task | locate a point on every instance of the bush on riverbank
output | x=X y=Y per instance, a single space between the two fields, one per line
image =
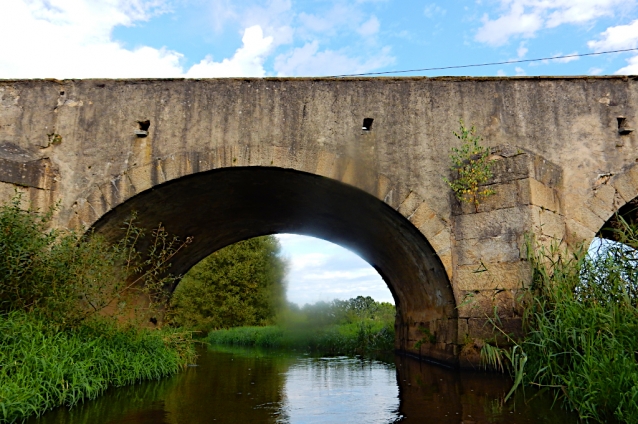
x=69 y=277
x=56 y=348
x=43 y=367
x=355 y=326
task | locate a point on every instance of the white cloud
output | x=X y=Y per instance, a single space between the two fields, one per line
x=342 y=275
x=247 y=61
x=72 y=39
x=501 y=73
x=369 y=27
x=321 y=270
x=617 y=38
x=308 y=260
x=631 y=69
x=595 y=71
x=524 y=18
x=515 y=22
x=520 y=71
x=67 y=39
x=522 y=50
x=308 y=60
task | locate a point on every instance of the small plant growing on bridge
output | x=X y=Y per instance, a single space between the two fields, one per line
x=471 y=166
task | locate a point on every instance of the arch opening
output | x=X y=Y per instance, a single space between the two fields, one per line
x=221 y=207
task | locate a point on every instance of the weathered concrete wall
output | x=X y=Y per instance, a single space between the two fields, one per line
x=563 y=167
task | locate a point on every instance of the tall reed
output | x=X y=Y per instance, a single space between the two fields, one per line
x=582 y=324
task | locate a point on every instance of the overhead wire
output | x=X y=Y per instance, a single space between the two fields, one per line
x=508 y=62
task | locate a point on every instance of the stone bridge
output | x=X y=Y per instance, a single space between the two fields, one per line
x=359 y=162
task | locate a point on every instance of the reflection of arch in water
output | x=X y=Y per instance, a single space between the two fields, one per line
x=228 y=205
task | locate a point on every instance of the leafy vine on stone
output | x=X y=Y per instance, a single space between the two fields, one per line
x=471 y=167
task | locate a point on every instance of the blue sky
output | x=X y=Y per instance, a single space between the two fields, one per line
x=224 y=38
x=209 y=38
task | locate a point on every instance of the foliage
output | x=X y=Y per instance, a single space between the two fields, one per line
x=582 y=326
x=44 y=367
x=69 y=277
x=471 y=167
x=241 y=284
x=359 y=325
x=581 y=321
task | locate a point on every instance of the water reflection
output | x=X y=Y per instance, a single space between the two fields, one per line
x=239 y=385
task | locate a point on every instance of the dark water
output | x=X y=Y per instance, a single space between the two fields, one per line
x=253 y=386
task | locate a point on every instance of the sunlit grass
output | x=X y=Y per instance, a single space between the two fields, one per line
x=337 y=339
x=42 y=368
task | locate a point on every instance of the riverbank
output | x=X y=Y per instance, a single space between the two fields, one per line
x=43 y=367
x=361 y=338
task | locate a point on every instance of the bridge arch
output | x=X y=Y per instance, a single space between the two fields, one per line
x=611 y=195
x=223 y=206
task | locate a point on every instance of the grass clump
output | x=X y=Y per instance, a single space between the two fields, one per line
x=355 y=326
x=43 y=367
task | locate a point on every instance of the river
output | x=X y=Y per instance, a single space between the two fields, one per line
x=234 y=385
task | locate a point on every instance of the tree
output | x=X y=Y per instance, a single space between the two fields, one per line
x=239 y=285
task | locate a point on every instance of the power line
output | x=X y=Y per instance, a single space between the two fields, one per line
x=509 y=62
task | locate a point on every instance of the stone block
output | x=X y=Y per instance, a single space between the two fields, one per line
x=446 y=259
x=489 y=303
x=605 y=193
x=441 y=242
x=587 y=218
x=384 y=185
x=543 y=196
x=576 y=233
x=488 y=250
x=492 y=276
x=280 y=157
x=410 y=204
x=626 y=184
x=484 y=329
x=548 y=223
x=171 y=166
x=140 y=177
x=326 y=164
x=495 y=223
x=427 y=221
x=546 y=172
x=513 y=168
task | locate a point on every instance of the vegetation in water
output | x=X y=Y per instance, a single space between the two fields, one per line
x=56 y=347
x=239 y=285
x=471 y=168
x=581 y=323
x=356 y=326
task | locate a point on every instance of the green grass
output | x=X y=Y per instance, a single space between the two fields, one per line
x=42 y=368
x=582 y=336
x=581 y=322
x=361 y=337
